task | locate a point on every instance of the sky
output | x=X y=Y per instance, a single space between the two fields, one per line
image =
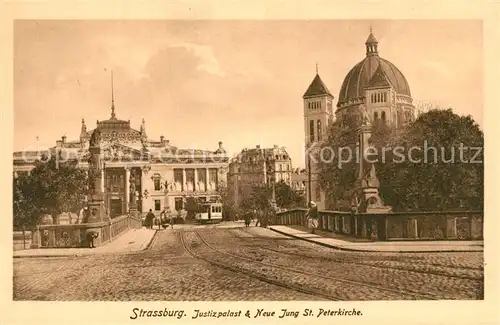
x=239 y=82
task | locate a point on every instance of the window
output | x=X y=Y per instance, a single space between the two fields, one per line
x=311 y=131
x=319 y=130
x=178 y=204
x=157 y=184
x=157 y=205
x=383 y=116
x=212 y=175
x=375 y=115
x=178 y=176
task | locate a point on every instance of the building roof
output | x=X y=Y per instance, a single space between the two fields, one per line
x=379 y=79
x=363 y=73
x=371 y=39
x=317 y=88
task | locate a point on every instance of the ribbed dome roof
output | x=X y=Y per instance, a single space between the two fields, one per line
x=360 y=76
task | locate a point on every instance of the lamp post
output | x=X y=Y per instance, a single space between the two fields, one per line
x=309 y=179
x=272 y=177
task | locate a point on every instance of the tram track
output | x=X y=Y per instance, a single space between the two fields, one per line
x=251 y=274
x=346 y=282
x=342 y=261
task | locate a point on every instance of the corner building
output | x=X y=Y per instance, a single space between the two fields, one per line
x=374 y=85
x=257 y=167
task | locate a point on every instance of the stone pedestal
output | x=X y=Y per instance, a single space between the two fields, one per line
x=133 y=211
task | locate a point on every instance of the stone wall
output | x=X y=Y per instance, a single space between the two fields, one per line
x=447 y=225
x=74 y=235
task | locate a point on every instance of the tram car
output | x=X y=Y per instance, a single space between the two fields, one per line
x=209 y=212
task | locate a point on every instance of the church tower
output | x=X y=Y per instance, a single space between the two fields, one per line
x=318 y=113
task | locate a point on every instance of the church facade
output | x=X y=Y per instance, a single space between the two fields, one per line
x=374 y=88
x=163 y=175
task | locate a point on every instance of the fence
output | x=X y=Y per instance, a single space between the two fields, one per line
x=447 y=225
x=75 y=235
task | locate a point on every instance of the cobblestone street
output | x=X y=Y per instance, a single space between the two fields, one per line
x=248 y=264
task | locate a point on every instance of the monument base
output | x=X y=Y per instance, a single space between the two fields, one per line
x=97 y=212
x=370 y=201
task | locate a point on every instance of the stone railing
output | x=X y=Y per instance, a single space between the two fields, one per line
x=21 y=240
x=75 y=235
x=447 y=225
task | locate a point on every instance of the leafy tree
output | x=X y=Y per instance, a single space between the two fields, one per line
x=439 y=177
x=228 y=207
x=52 y=187
x=336 y=159
x=286 y=197
x=258 y=199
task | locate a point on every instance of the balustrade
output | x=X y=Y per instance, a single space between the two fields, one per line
x=75 y=235
x=436 y=225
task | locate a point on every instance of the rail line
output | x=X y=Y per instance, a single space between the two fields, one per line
x=330 y=277
x=336 y=260
x=252 y=274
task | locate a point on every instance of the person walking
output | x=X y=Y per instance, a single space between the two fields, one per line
x=149 y=219
x=312 y=217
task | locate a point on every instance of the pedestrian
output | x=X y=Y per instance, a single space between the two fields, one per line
x=248 y=218
x=149 y=219
x=256 y=214
x=163 y=218
x=91 y=236
x=312 y=217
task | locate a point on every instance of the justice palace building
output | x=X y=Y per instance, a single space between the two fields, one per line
x=164 y=175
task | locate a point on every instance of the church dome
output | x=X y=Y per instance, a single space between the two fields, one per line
x=361 y=75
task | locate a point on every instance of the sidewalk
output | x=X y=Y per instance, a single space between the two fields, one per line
x=386 y=246
x=133 y=240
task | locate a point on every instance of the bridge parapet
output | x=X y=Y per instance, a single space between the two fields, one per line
x=432 y=225
x=75 y=235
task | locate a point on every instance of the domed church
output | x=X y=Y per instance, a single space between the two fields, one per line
x=380 y=86
x=373 y=86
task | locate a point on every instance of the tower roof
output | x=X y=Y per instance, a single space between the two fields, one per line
x=317 y=88
x=371 y=39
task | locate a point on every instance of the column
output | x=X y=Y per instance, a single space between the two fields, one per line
x=127 y=188
x=143 y=188
x=415 y=228
x=195 y=180
x=184 y=180
x=207 y=180
x=102 y=180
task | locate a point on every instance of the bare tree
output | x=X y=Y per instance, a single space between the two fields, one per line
x=423 y=106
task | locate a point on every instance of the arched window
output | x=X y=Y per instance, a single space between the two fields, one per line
x=375 y=115
x=311 y=130
x=383 y=116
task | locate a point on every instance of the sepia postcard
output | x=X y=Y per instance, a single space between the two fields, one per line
x=252 y=163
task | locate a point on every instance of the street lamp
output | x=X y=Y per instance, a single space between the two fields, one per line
x=309 y=180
